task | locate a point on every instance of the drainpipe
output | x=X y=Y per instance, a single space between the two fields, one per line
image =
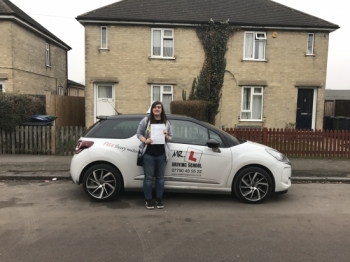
x=67 y=73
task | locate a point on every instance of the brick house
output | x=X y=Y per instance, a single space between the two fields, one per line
x=139 y=51
x=32 y=60
x=75 y=89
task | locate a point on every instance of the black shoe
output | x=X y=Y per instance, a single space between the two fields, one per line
x=149 y=204
x=159 y=203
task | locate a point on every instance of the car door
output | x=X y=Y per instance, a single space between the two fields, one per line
x=192 y=164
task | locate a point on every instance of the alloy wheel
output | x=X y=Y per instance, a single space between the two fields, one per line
x=254 y=186
x=101 y=183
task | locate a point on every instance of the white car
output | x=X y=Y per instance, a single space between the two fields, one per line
x=203 y=159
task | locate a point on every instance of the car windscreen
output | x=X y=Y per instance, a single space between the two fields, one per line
x=114 y=128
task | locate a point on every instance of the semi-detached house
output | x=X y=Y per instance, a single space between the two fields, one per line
x=138 y=51
x=32 y=59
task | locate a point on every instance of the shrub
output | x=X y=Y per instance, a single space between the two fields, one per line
x=193 y=108
x=18 y=108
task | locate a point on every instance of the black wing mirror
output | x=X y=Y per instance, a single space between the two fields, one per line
x=214 y=144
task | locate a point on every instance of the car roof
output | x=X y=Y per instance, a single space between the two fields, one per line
x=136 y=116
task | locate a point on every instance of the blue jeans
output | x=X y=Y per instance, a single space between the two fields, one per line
x=153 y=166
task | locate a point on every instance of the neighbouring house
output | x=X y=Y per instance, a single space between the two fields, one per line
x=75 y=89
x=139 y=51
x=32 y=60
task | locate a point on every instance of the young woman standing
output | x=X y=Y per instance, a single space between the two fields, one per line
x=155 y=156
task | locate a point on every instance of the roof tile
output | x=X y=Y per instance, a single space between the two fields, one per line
x=239 y=12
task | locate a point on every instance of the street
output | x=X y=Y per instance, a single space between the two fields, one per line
x=56 y=221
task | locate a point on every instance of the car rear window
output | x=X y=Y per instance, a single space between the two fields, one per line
x=115 y=129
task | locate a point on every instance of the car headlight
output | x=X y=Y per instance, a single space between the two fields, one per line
x=279 y=156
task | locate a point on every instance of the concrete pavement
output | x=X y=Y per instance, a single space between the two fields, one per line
x=50 y=166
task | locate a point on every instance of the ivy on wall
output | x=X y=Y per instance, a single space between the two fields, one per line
x=213 y=37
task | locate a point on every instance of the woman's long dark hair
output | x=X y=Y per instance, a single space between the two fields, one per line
x=163 y=117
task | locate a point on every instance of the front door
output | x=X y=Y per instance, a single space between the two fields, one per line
x=105 y=105
x=2 y=87
x=304 y=108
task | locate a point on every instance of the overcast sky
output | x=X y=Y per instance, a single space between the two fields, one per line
x=58 y=16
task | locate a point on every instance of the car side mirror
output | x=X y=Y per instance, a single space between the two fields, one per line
x=214 y=144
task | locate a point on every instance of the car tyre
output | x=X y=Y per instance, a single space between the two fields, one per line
x=102 y=182
x=252 y=185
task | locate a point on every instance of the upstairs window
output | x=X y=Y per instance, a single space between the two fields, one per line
x=310 y=44
x=252 y=103
x=104 y=37
x=2 y=87
x=76 y=92
x=162 y=43
x=164 y=94
x=47 y=55
x=254 y=45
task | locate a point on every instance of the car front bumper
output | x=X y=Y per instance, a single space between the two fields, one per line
x=282 y=173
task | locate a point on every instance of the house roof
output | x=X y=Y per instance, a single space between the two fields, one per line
x=75 y=84
x=239 y=12
x=8 y=10
x=337 y=94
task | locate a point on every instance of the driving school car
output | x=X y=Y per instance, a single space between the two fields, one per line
x=202 y=158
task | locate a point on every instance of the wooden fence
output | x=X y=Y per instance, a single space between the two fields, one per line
x=337 y=108
x=40 y=140
x=342 y=108
x=47 y=140
x=70 y=110
x=300 y=143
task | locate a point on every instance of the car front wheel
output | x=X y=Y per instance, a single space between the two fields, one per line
x=252 y=185
x=102 y=182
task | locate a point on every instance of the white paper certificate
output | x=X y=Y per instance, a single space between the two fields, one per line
x=157 y=134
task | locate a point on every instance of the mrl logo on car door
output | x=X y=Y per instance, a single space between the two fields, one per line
x=198 y=165
x=191 y=164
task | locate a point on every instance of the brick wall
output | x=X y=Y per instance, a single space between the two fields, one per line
x=128 y=60
x=29 y=73
x=6 y=54
x=286 y=64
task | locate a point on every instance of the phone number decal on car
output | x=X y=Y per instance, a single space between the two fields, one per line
x=185 y=172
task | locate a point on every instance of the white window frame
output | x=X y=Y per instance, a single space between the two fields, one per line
x=76 y=92
x=47 y=55
x=162 y=43
x=2 y=83
x=104 y=46
x=257 y=36
x=250 y=110
x=310 y=49
x=162 y=92
x=60 y=91
x=260 y=35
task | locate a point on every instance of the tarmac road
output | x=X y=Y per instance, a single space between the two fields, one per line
x=56 y=221
x=24 y=167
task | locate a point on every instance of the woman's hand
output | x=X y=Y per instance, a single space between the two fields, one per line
x=148 y=141
x=166 y=135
